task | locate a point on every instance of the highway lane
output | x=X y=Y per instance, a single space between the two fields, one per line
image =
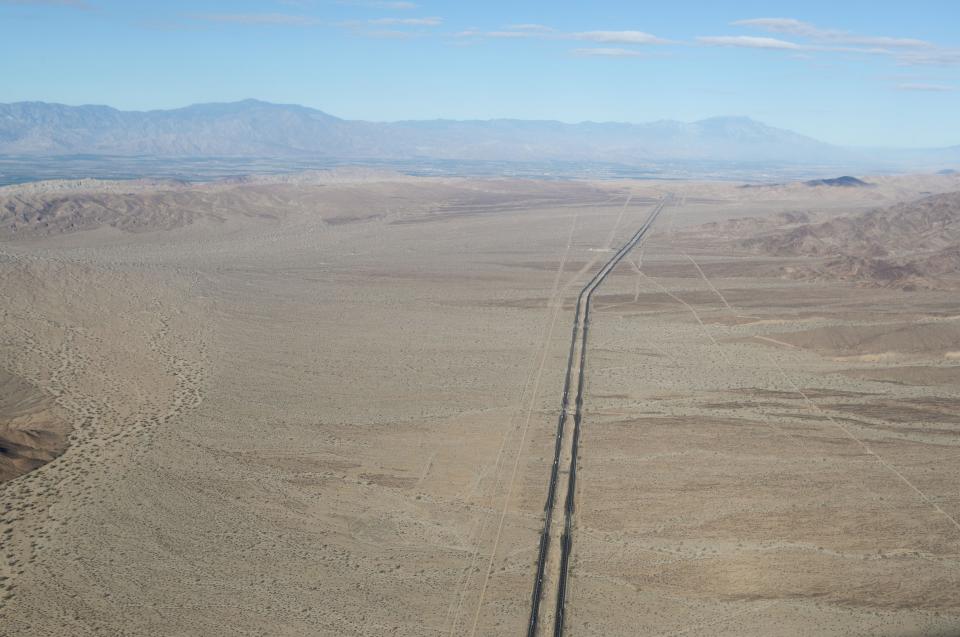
x=556 y=561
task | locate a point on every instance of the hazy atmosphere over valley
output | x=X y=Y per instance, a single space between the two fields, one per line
x=369 y=317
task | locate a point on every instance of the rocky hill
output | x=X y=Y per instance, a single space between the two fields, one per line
x=909 y=244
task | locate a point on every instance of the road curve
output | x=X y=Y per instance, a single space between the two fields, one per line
x=581 y=325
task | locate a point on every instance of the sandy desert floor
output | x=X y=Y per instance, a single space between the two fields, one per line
x=326 y=406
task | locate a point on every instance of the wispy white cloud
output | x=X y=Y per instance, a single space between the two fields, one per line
x=905 y=51
x=541 y=28
x=259 y=19
x=481 y=34
x=618 y=37
x=422 y=22
x=390 y=34
x=391 y=28
x=76 y=4
x=374 y=4
x=936 y=57
x=805 y=29
x=608 y=52
x=928 y=88
x=543 y=32
x=750 y=42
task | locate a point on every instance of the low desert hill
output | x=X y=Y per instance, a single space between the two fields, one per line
x=31 y=434
x=329 y=197
x=843 y=182
x=905 y=245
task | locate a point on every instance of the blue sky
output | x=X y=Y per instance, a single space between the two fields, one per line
x=849 y=72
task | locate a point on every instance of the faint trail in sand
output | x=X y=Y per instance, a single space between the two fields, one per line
x=723 y=355
x=863 y=445
x=696 y=314
x=557 y=300
x=533 y=380
x=557 y=295
x=723 y=619
x=773 y=340
x=636 y=281
x=709 y=283
x=616 y=225
x=596 y=258
x=846 y=431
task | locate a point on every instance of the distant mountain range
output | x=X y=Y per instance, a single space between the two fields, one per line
x=252 y=128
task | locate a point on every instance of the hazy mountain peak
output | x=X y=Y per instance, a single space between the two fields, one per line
x=742 y=120
x=255 y=128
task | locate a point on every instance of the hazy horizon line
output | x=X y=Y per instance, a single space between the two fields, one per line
x=729 y=116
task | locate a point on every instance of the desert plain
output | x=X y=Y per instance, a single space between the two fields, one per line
x=326 y=404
